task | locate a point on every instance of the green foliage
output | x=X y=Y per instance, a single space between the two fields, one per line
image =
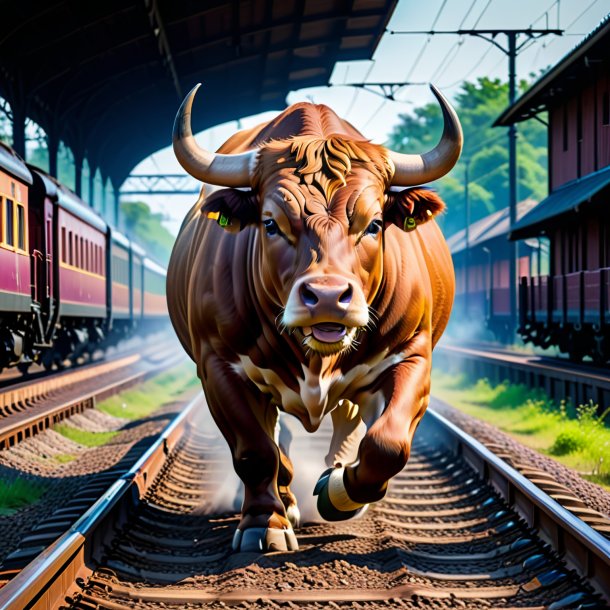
x=575 y=436
x=147 y=229
x=84 y=437
x=580 y=432
x=478 y=105
x=64 y=458
x=19 y=493
x=151 y=395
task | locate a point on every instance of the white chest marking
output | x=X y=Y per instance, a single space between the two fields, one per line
x=318 y=394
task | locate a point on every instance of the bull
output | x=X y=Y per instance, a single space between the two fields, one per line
x=310 y=284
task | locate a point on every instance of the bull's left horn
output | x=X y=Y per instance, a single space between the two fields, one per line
x=213 y=168
x=419 y=169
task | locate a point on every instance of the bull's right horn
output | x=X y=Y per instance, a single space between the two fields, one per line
x=419 y=169
x=213 y=168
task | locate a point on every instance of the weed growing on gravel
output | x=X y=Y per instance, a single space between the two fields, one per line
x=19 y=493
x=577 y=437
x=84 y=437
x=151 y=395
x=64 y=458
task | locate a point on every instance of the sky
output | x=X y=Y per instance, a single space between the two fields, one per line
x=444 y=60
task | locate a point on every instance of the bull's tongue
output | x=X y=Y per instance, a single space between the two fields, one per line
x=328 y=332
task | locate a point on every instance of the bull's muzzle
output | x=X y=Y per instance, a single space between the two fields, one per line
x=328 y=310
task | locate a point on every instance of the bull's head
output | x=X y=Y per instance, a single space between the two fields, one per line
x=322 y=205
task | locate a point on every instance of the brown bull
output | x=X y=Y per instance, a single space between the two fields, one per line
x=317 y=290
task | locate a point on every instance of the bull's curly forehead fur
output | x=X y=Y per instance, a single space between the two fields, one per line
x=324 y=162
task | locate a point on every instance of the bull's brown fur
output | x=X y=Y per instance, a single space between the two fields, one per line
x=323 y=182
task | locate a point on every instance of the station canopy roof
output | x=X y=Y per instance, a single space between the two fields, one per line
x=109 y=76
x=575 y=68
x=566 y=198
x=496 y=224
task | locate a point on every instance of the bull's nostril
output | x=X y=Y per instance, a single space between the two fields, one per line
x=308 y=296
x=346 y=297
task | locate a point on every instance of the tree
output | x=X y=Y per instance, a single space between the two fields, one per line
x=478 y=105
x=147 y=229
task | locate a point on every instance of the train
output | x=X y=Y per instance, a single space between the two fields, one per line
x=563 y=242
x=70 y=283
x=481 y=257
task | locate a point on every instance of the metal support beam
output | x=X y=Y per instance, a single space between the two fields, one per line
x=53 y=148
x=160 y=184
x=158 y=28
x=91 y=184
x=117 y=205
x=79 y=158
x=512 y=180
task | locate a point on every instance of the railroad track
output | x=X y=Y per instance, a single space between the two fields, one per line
x=559 y=378
x=458 y=528
x=29 y=407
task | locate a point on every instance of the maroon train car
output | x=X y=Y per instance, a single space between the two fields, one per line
x=69 y=283
x=73 y=249
x=15 y=269
x=569 y=306
x=481 y=261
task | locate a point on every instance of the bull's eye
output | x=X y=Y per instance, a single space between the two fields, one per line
x=374 y=228
x=271 y=227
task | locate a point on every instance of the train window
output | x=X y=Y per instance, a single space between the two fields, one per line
x=10 y=223
x=2 y=223
x=82 y=253
x=606 y=108
x=565 y=128
x=20 y=227
x=70 y=249
x=64 y=250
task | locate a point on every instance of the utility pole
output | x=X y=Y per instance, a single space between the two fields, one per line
x=511 y=51
x=467 y=232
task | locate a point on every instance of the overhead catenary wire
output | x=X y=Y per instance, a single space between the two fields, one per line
x=427 y=42
x=578 y=17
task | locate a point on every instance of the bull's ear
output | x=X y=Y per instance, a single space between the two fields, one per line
x=231 y=209
x=411 y=207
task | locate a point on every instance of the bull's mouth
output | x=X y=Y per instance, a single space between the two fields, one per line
x=328 y=338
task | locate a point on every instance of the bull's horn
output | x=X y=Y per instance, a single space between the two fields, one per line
x=419 y=169
x=214 y=168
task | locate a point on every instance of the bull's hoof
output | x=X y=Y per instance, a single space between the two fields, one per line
x=264 y=540
x=333 y=502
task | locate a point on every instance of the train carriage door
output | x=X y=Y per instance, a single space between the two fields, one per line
x=48 y=221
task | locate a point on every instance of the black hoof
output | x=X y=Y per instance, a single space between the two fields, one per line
x=264 y=540
x=326 y=508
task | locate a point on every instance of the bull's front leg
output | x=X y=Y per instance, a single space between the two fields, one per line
x=248 y=420
x=385 y=448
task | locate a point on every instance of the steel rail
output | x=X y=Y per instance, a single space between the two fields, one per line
x=560 y=379
x=583 y=548
x=46 y=580
x=31 y=420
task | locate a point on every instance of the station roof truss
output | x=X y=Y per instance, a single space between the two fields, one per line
x=496 y=224
x=576 y=68
x=108 y=77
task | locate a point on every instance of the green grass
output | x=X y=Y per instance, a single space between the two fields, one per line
x=576 y=437
x=151 y=395
x=133 y=404
x=64 y=458
x=84 y=437
x=19 y=493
